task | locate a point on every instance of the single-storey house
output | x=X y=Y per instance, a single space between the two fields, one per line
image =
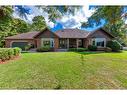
x=62 y=39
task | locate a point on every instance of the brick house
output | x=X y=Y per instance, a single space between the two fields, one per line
x=62 y=39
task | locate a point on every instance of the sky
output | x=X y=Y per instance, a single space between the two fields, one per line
x=67 y=21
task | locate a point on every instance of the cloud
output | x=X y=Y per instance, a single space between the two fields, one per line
x=74 y=21
x=67 y=21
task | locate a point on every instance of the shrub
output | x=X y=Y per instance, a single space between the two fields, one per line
x=92 y=48
x=78 y=49
x=17 y=51
x=108 y=49
x=4 y=54
x=114 y=45
x=28 y=47
x=8 y=53
x=44 y=49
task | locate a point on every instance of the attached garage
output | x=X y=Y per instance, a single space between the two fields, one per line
x=21 y=45
x=21 y=40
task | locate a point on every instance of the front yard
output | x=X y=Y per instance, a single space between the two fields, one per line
x=65 y=70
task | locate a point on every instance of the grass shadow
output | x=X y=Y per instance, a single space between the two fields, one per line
x=90 y=52
x=97 y=52
x=25 y=52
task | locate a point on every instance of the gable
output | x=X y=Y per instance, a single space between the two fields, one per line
x=100 y=33
x=46 y=34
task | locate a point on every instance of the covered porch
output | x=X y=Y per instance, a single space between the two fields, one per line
x=66 y=43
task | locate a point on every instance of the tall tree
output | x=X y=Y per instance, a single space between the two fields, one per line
x=9 y=25
x=38 y=23
x=114 y=17
x=20 y=25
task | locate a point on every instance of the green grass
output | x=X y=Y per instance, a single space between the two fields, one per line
x=65 y=70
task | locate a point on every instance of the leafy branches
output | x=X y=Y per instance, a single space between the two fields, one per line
x=38 y=23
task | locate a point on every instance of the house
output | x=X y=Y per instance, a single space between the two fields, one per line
x=62 y=39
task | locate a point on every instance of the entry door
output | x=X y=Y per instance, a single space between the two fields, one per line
x=80 y=43
x=63 y=43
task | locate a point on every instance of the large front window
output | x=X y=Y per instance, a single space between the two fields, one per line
x=99 y=42
x=47 y=42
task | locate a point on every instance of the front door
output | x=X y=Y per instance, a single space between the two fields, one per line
x=80 y=43
x=63 y=43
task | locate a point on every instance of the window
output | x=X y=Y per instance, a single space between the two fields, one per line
x=93 y=43
x=47 y=42
x=99 y=42
x=51 y=43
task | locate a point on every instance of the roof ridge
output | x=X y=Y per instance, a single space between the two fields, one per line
x=72 y=29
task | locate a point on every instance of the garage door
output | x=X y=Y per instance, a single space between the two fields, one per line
x=20 y=44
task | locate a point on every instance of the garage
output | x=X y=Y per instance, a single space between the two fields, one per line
x=20 y=44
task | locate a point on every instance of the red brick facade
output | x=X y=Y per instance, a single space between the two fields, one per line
x=56 y=43
x=36 y=41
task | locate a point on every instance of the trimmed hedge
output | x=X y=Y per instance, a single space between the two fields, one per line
x=44 y=49
x=8 y=53
x=28 y=47
x=78 y=49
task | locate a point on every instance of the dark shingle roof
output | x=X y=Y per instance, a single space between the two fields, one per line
x=72 y=33
x=28 y=35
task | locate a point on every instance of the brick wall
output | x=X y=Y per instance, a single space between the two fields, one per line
x=38 y=41
x=56 y=42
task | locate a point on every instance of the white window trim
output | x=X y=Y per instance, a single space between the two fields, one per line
x=47 y=39
x=95 y=39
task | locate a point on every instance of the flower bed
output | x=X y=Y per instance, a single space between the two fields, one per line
x=8 y=53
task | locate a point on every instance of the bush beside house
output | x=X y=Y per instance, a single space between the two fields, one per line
x=8 y=53
x=114 y=45
x=28 y=47
x=92 y=48
x=44 y=49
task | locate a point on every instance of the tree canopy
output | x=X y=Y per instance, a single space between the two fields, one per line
x=38 y=23
x=9 y=25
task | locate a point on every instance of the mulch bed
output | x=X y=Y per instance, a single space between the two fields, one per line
x=14 y=58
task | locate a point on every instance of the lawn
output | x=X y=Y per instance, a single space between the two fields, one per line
x=65 y=70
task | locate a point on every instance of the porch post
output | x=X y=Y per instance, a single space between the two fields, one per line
x=77 y=43
x=68 y=43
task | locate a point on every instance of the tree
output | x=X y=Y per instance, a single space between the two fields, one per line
x=38 y=23
x=10 y=26
x=5 y=11
x=20 y=26
x=114 y=17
